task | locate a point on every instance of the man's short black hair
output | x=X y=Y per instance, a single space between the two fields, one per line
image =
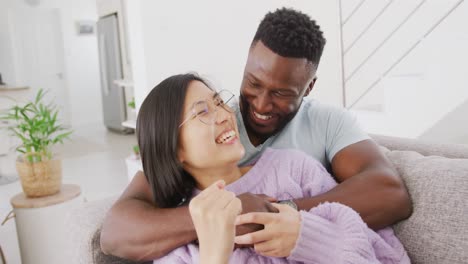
x=290 y=33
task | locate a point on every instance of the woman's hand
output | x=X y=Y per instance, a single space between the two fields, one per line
x=280 y=234
x=213 y=213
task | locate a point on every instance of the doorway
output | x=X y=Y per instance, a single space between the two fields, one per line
x=38 y=54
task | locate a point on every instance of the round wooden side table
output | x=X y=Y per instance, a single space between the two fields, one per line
x=41 y=225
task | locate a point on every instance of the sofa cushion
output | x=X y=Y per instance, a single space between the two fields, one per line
x=437 y=231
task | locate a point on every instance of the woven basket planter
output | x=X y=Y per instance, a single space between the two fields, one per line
x=40 y=178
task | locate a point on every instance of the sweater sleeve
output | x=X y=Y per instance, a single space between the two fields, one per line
x=333 y=233
x=313 y=178
x=171 y=258
x=183 y=255
x=330 y=232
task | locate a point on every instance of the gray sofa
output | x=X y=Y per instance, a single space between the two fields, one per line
x=436 y=176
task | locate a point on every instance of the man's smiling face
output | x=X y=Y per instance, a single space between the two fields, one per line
x=272 y=90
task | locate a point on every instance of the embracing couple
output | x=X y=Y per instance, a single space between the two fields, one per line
x=273 y=178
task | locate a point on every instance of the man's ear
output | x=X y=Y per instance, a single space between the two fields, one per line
x=311 y=86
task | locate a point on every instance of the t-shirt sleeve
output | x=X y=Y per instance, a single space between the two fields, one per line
x=343 y=130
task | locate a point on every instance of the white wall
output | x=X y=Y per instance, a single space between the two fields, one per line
x=80 y=57
x=452 y=128
x=430 y=80
x=6 y=57
x=213 y=37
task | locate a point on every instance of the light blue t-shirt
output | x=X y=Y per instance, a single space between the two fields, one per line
x=317 y=129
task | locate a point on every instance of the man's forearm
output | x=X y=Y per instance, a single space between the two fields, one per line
x=380 y=199
x=136 y=230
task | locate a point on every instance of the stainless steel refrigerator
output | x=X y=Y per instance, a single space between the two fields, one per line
x=110 y=60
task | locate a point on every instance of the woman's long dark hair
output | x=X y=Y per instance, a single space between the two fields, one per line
x=158 y=123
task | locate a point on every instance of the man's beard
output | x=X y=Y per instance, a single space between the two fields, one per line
x=262 y=137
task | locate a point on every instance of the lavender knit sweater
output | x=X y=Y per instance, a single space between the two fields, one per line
x=329 y=233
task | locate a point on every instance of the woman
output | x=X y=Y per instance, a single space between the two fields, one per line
x=189 y=143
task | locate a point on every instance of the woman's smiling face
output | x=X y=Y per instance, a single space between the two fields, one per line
x=209 y=136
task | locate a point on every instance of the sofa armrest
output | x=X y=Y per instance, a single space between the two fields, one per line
x=84 y=223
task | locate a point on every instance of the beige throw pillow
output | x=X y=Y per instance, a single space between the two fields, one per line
x=437 y=231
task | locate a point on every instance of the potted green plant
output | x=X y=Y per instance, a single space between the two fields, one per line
x=35 y=124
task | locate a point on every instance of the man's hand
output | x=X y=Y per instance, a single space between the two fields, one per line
x=280 y=234
x=254 y=203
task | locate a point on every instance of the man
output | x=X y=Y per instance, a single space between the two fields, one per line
x=279 y=73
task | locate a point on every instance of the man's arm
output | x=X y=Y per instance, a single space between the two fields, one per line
x=136 y=229
x=368 y=183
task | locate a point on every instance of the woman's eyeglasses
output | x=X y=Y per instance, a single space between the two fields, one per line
x=205 y=110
